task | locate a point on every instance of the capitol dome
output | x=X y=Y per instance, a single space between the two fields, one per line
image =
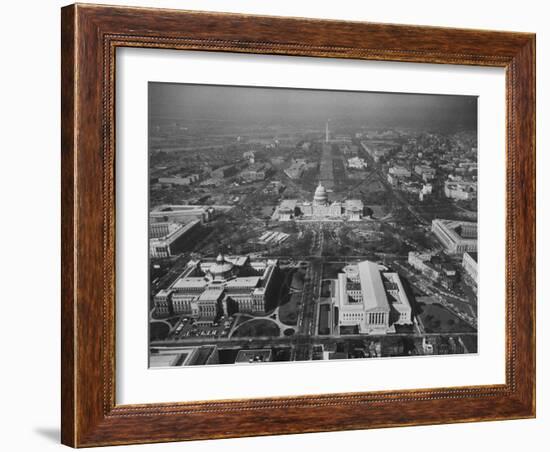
x=320 y=196
x=222 y=269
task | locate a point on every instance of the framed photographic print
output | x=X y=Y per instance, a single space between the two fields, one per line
x=281 y=225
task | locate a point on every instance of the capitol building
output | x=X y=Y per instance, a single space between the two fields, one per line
x=320 y=208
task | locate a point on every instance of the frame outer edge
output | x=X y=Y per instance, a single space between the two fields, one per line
x=534 y=225
x=68 y=230
x=86 y=420
x=525 y=61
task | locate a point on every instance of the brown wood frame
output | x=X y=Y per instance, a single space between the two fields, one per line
x=90 y=35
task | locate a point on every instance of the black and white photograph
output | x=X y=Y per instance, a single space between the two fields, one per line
x=275 y=226
x=305 y=225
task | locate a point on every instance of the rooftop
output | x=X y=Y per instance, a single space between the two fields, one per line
x=165 y=360
x=374 y=294
x=248 y=281
x=211 y=294
x=458 y=230
x=194 y=282
x=288 y=204
x=400 y=297
x=472 y=254
x=175 y=208
x=354 y=204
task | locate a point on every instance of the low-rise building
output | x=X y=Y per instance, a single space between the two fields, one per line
x=254 y=172
x=422 y=263
x=223 y=172
x=399 y=176
x=357 y=163
x=163 y=302
x=425 y=171
x=393 y=180
x=426 y=190
x=456 y=236
x=249 y=155
x=353 y=209
x=375 y=152
x=179 y=180
x=434 y=267
x=287 y=209
x=273 y=238
x=461 y=190
x=274 y=187
x=399 y=171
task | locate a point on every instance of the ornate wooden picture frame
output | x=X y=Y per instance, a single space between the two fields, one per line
x=90 y=36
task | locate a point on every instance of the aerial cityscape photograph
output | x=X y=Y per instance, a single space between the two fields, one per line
x=305 y=225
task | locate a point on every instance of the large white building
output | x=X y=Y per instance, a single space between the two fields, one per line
x=425 y=171
x=179 y=180
x=162 y=236
x=371 y=299
x=320 y=208
x=209 y=287
x=181 y=213
x=456 y=236
x=375 y=152
x=461 y=190
x=296 y=168
x=399 y=171
x=357 y=163
x=422 y=263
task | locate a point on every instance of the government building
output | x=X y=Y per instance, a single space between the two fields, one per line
x=370 y=300
x=163 y=236
x=181 y=213
x=320 y=208
x=210 y=287
x=457 y=237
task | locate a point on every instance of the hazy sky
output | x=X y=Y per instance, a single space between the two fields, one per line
x=189 y=102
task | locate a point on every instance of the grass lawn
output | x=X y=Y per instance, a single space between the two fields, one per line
x=331 y=269
x=437 y=319
x=242 y=318
x=256 y=328
x=326 y=287
x=298 y=280
x=324 y=319
x=288 y=311
x=158 y=330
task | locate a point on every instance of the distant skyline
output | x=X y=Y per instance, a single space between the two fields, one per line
x=189 y=102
